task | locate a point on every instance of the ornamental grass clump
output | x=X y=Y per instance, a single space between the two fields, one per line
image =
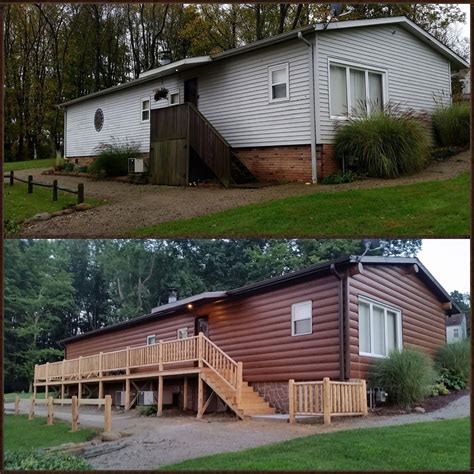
x=406 y=376
x=454 y=361
x=452 y=125
x=112 y=159
x=384 y=144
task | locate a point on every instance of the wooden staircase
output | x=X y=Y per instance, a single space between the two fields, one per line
x=250 y=403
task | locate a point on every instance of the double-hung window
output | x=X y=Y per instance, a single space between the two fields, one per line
x=145 y=109
x=278 y=79
x=355 y=90
x=302 y=318
x=174 y=98
x=380 y=328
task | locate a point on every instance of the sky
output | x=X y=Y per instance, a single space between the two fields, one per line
x=465 y=28
x=448 y=260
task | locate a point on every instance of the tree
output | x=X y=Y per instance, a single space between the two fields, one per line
x=463 y=300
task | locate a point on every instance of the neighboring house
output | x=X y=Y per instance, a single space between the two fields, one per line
x=328 y=320
x=456 y=327
x=271 y=106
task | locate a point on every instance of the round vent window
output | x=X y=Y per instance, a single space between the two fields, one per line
x=99 y=119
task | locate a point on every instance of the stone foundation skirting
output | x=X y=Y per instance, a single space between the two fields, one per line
x=275 y=393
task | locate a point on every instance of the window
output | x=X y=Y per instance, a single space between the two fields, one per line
x=302 y=318
x=150 y=340
x=456 y=333
x=182 y=333
x=174 y=98
x=355 y=90
x=379 y=329
x=146 y=109
x=278 y=82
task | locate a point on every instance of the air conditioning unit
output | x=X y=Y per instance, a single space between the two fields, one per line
x=146 y=398
x=136 y=165
x=120 y=399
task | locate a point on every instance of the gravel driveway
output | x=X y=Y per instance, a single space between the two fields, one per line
x=159 y=442
x=130 y=207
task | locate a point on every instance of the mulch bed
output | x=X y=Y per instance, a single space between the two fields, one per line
x=429 y=404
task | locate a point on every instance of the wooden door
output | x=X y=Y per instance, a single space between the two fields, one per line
x=191 y=91
x=169 y=162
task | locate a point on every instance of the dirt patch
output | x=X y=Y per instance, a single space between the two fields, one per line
x=132 y=206
x=435 y=403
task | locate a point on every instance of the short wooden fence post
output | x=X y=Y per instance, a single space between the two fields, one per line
x=55 y=190
x=74 y=413
x=17 y=405
x=50 y=410
x=200 y=349
x=108 y=414
x=327 y=400
x=240 y=370
x=12 y=178
x=80 y=193
x=30 y=184
x=31 y=415
x=363 y=396
x=291 y=401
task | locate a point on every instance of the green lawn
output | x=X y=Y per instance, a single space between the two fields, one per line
x=437 y=208
x=20 y=205
x=10 y=397
x=21 y=434
x=430 y=446
x=27 y=165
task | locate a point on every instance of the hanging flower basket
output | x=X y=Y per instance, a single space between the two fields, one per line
x=161 y=93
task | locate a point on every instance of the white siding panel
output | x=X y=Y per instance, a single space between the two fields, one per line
x=122 y=118
x=415 y=71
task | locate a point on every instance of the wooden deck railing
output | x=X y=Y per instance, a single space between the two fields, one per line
x=192 y=349
x=327 y=398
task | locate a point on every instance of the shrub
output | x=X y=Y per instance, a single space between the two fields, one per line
x=407 y=376
x=439 y=389
x=148 y=410
x=386 y=144
x=451 y=124
x=37 y=460
x=443 y=153
x=454 y=361
x=112 y=159
x=339 y=178
x=451 y=381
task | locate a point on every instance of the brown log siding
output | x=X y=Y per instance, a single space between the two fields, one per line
x=422 y=313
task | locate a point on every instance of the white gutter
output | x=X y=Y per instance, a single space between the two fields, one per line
x=312 y=105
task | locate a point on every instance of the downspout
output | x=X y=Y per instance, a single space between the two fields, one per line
x=342 y=326
x=312 y=105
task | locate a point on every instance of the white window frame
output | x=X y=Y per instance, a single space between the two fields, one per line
x=456 y=333
x=144 y=99
x=148 y=343
x=360 y=67
x=170 y=94
x=178 y=333
x=386 y=307
x=293 y=311
x=278 y=67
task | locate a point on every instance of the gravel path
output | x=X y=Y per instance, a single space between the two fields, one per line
x=159 y=442
x=130 y=207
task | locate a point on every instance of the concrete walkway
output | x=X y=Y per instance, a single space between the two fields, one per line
x=159 y=442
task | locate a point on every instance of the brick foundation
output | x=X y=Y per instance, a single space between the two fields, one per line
x=277 y=163
x=326 y=163
x=275 y=393
x=87 y=160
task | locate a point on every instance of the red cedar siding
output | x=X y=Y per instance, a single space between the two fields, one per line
x=255 y=330
x=422 y=313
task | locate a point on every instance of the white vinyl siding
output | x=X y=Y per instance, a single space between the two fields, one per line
x=380 y=328
x=302 y=318
x=415 y=71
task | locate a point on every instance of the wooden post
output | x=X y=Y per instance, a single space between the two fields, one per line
x=62 y=394
x=200 y=396
x=34 y=391
x=17 y=405
x=160 y=356
x=363 y=397
x=200 y=348
x=291 y=401
x=50 y=410
x=327 y=400
x=74 y=413
x=101 y=392
x=100 y=365
x=128 y=360
x=79 y=392
x=31 y=415
x=12 y=178
x=46 y=391
x=80 y=193
x=185 y=394
x=46 y=372
x=159 y=408
x=239 y=382
x=55 y=190
x=127 y=394
x=30 y=184
x=108 y=414
x=80 y=368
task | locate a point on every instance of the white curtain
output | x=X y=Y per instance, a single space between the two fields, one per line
x=338 y=91
x=391 y=331
x=375 y=92
x=358 y=98
x=364 y=328
x=379 y=331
